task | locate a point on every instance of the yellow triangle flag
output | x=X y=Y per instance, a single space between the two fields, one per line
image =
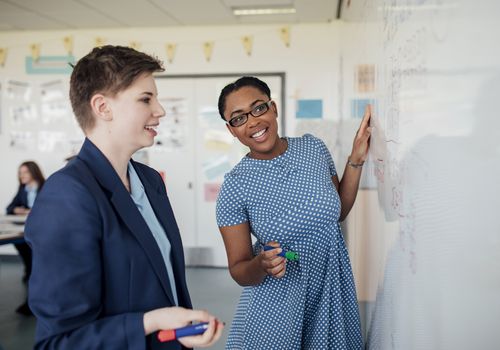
x=35 y=52
x=68 y=44
x=247 y=44
x=3 y=56
x=208 y=48
x=134 y=45
x=285 y=35
x=99 y=41
x=171 y=52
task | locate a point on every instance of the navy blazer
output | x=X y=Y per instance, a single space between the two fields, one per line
x=20 y=200
x=96 y=265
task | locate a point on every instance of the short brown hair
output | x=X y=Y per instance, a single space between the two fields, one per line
x=108 y=70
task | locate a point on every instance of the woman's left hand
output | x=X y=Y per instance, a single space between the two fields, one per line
x=361 y=142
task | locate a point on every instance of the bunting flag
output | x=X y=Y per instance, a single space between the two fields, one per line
x=99 y=41
x=134 y=45
x=3 y=56
x=285 y=35
x=171 y=52
x=35 y=52
x=68 y=44
x=208 y=48
x=247 y=44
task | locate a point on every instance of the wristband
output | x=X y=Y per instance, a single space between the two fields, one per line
x=354 y=165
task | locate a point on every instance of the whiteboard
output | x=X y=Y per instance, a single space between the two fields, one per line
x=430 y=247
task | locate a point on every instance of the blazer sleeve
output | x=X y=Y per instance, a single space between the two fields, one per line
x=64 y=231
x=17 y=201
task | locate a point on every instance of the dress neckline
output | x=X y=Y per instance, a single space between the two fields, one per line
x=281 y=156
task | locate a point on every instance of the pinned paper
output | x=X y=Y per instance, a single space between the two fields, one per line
x=309 y=109
x=35 y=51
x=208 y=47
x=247 y=44
x=68 y=44
x=365 y=77
x=285 y=35
x=211 y=191
x=171 y=52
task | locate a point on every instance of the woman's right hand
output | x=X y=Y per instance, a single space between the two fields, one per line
x=21 y=211
x=176 y=317
x=273 y=264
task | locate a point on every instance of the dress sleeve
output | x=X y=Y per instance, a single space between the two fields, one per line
x=230 y=208
x=325 y=154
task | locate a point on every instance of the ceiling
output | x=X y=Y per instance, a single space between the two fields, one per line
x=88 y=14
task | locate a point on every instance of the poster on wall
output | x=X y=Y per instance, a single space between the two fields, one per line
x=309 y=109
x=22 y=140
x=25 y=114
x=358 y=106
x=365 y=78
x=172 y=129
x=55 y=106
x=216 y=138
x=49 y=64
x=19 y=90
x=216 y=167
x=49 y=141
x=211 y=191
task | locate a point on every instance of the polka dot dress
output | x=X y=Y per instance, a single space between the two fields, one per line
x=291 y=199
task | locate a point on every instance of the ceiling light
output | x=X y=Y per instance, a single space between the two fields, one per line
x=263 y=11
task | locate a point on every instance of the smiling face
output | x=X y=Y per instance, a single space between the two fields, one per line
x=25 y=175
x=134 y=114
x=260 y=134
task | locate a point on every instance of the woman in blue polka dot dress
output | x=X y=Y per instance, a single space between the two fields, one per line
x=286 y=193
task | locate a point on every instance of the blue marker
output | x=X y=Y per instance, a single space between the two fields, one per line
x=287 y=254
x=172 y=334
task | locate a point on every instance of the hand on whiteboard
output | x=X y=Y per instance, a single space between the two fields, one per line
x=361 y=142
x=271 y=262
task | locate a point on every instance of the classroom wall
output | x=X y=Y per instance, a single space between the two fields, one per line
x=310 y=64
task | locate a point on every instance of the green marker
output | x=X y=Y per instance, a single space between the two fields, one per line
x=287 y=254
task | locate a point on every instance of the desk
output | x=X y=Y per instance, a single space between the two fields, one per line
x=12 y=228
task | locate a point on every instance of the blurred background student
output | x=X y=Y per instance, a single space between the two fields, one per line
x=31 y=181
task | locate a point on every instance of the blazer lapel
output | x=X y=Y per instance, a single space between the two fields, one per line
x=161 y=207
x=127 y=210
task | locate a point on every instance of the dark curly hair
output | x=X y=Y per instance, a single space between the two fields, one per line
x=238 y=84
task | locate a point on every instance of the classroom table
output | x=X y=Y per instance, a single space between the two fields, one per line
x=12 y=229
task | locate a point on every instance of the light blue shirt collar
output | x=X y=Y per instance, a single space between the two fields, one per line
x=141 y=200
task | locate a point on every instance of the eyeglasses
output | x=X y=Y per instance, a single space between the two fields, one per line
x=257 y=111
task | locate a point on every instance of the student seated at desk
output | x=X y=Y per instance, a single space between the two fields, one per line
x=31 y=181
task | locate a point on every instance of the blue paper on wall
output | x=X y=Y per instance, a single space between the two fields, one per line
x=358 y=107
x=309 y=109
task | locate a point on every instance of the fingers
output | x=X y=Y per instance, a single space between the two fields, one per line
x=279 y=271
x=366 y=116
x=271 y=254
x=273 y=264
x=209 y=337
x=198 y=315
